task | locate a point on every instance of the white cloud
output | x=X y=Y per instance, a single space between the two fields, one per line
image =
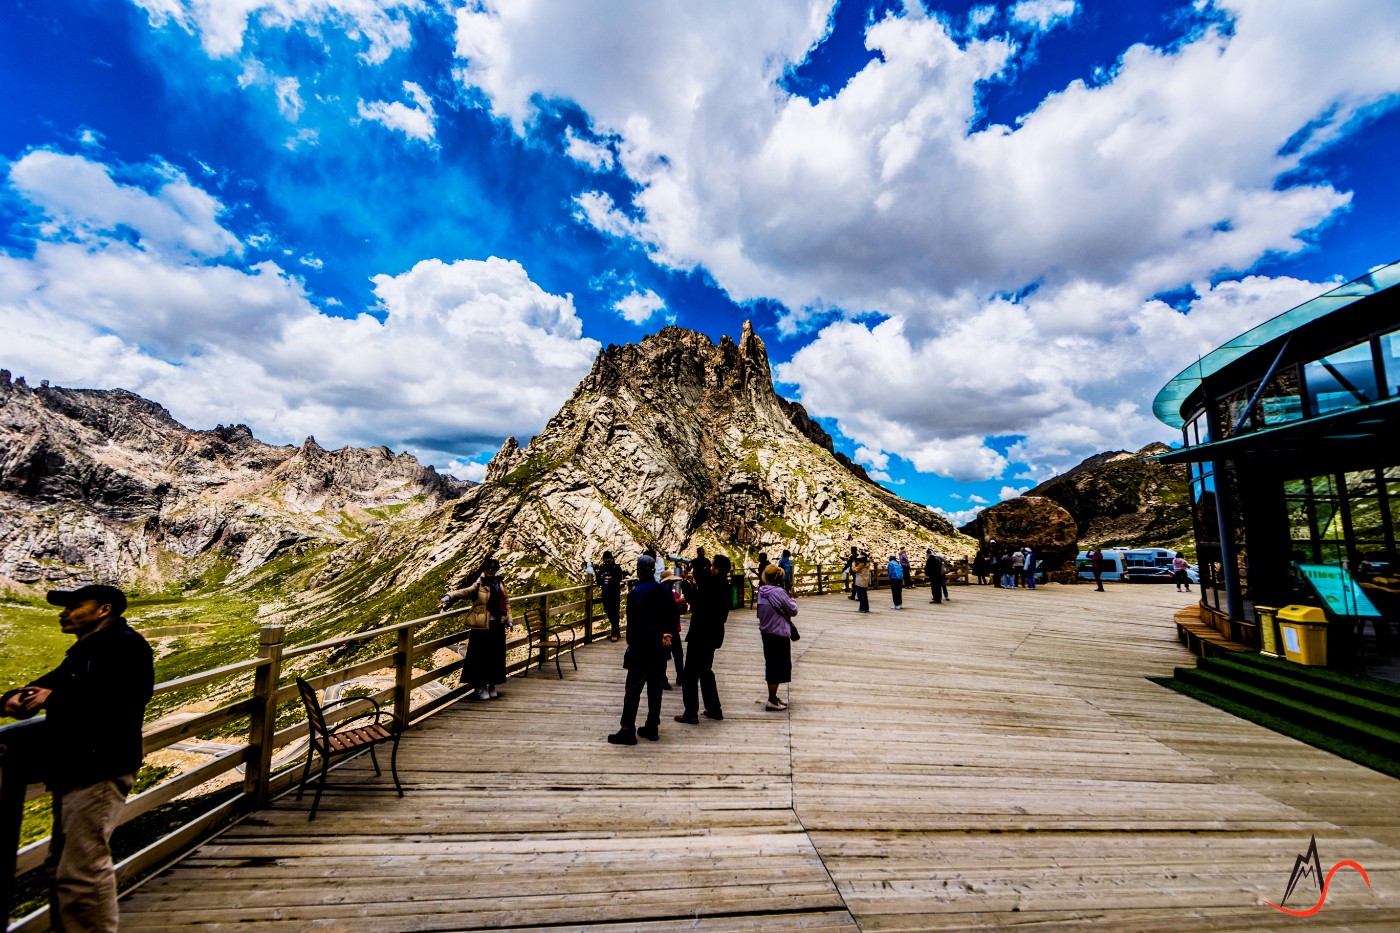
x=289 y=98
x=1176 y=166
x=958 y=517
x=872 y=458
x=417 y=122
x=639 y=307
x=1011 y=492
x=976 y=500
x=1043 y=14
x=381 y=25
x=467 y=469
x=596 y=155
x=468 y=351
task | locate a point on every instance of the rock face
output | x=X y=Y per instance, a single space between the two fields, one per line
x=106 y=485
x=673 y=442
x=1116 y=499
x=1122 y=499
x=1029 y=520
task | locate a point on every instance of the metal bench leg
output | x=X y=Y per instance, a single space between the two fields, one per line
x=320 y=786
x=394 y=764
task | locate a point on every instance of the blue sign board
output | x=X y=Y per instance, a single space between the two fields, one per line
x=1338 y=590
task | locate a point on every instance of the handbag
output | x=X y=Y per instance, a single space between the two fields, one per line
x=796 y=635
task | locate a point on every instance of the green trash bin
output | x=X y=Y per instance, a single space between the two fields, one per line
x=736 y=587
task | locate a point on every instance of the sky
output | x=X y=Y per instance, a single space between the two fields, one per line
x=976 y=238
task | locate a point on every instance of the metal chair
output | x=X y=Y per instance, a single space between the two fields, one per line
x=344 y=738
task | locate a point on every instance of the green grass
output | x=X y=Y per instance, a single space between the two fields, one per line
x=32 y=640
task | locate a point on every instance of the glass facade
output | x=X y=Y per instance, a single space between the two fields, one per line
x=1343 y=379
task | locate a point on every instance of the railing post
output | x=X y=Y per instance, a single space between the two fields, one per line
x=544 y=627
x=403 y=674
x=819 y=580
x=588 y=612
x=262 y=729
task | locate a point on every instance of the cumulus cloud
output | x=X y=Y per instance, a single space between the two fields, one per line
x=596 y=155
x=417 y=121
x=958 y=517
x=381 y=25
x=1178 y=165
x=639 y=307
x=1043 y=14
x=466 y=353
x=1011 y=492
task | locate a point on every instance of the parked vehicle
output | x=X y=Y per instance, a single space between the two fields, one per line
x=1157 y=575
x=1119 y=561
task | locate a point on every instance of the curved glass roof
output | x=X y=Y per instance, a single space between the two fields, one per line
x=1167 y=405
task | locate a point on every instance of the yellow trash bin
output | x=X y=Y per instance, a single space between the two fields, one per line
x=1270 y=642
x=1303 y=630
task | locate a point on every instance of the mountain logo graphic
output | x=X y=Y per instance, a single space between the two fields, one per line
x=1308 y=865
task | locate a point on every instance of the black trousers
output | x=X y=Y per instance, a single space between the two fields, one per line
x=938 y=587
x=897 y=592
x=612 y=605
x=677 y=651
x=699 y=678
x=649 y=676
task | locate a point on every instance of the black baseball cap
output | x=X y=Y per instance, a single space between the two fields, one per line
x=98 y=591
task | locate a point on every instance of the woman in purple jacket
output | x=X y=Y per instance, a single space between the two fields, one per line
x=775 y=611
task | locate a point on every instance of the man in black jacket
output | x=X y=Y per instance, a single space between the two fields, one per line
x=709 y=596
x=652 y=617
x=94 y=704
x=608 y=575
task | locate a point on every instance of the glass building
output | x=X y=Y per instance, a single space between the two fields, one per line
x=1290 y=431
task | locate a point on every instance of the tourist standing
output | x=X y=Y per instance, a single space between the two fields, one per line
x=933 y=569
x=1018 y=568
x=775 y=611
x=672 y=583
x=785 y=562
x=94 y=704
x=896 y=575
x=1096 y=565
x=652 y=617
x=905 y=566
x=860 y=582
x=1029 y=567
x=609 y=577
x=846 y=573
x=1179 y=575
x=710 y=599
x=980 y=564
x=1004 y=563
x=485 y=666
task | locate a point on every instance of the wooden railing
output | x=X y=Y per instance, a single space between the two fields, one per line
x=258 y=701
x=828 y=579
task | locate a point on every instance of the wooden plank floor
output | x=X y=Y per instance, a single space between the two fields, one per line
x=997 y=762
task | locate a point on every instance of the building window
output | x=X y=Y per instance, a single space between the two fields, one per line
x=1390 y=362
x=1343 y=379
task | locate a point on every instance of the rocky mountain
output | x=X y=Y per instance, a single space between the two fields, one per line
x=103 y=484
x=673 y=442
x=1123 y=499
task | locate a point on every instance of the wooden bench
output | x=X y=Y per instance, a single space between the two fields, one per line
x=1202 y=640
x=543 y=635
x=345 y=739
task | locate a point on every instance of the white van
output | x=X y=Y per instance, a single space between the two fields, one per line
x=1118 y=561
x=1115 y=561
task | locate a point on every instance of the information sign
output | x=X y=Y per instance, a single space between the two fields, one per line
x=1337 y=589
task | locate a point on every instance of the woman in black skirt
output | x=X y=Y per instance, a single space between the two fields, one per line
x=485 y=666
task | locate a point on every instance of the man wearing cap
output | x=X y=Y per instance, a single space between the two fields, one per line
x=609 y=576
x=94 y=704
x=652 y=617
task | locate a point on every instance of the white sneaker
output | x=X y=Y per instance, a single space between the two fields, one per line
x=483 y=694
x=775 y=706
x=494 y=694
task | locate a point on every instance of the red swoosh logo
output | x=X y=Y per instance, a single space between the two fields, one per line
x=1322 y=899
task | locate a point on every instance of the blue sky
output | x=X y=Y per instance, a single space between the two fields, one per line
x=975 y=237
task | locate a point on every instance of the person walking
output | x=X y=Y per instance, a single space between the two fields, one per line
x=860 y=582
x=1179 y=575
x=1096 y=565
x=652 y=617
x=776 y=609
x=896 y=575
x=709 y=597
x=933 y=569
x=609 y=577
x=485 y=665
x=94 y=704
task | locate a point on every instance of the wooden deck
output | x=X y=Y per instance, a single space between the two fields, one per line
x=994 y=763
